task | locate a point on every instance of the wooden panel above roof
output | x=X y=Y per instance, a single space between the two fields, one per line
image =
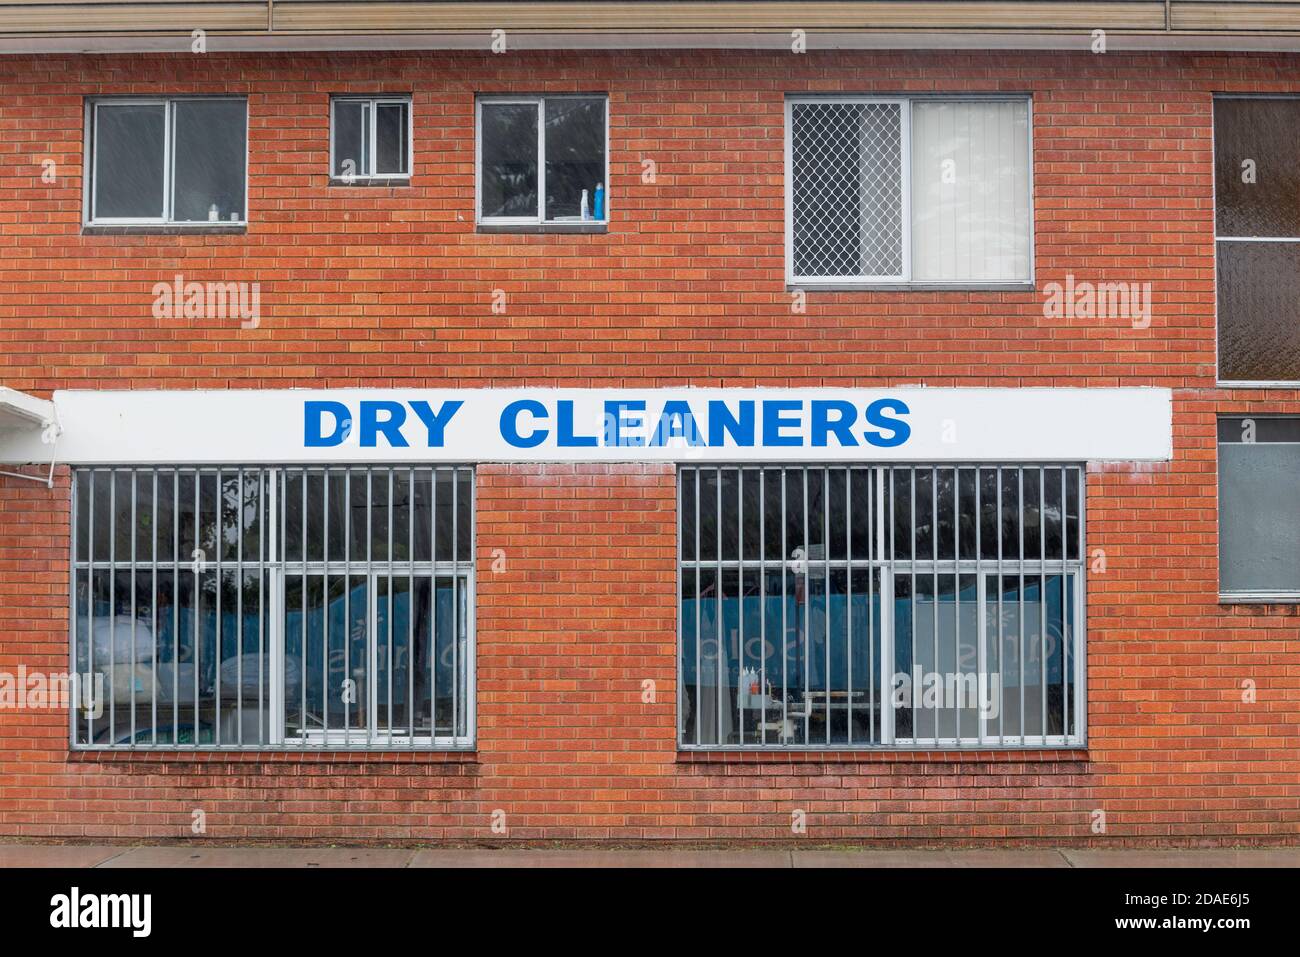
x=105 y=16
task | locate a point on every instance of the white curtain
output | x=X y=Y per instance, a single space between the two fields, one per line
x=970 y=191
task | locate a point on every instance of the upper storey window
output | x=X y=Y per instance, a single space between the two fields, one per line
x=157 y=160
x=908 y=190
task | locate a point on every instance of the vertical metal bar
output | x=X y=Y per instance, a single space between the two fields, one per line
x=112 y=605
x=325 y=602
x=1042 y=599
x=176 y=607
x=806 y=644
x=826 y=586
x=717 y=600
x=239 y=606
x=956 y=599
x=785 y=601
x=130 y=668
x=350 y=689
x=1065 y=628
x=916 y=717
x=1020 y=538
x=699 y=601
x=302 y=718
x=198 y=601
x=372 y=617
x=1002 y=681
x=410 y=607
x=391 y=623
x=218 y=630
x=90 y=608
x=981 y=612
x=433 y=610
x=456 y=623
x=934 y=550
x=261 y=605
x=740 y=596
x=848 y=596
x=762 y=604
x=154 y=617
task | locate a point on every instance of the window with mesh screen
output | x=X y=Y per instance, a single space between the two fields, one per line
x=909 y=190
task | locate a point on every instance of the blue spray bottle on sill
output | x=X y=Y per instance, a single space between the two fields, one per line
x=599 y=210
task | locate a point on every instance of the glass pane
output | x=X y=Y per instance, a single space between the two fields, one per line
x=509 y=159
x=575 y=155
x=847 y=187
x=1259 y=517
x=210 y=154
x=390 y=138
x=351 y=138
x=1259 y=312
x=129 y=147
x=1256 y=180
x=970 y=191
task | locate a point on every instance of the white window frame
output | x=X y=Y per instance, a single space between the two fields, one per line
x=1029 y=570
x=371 y=103
x=906 y=103
x=539 y=101
x=276 y=569
x=169 y=123
x=1243 y=596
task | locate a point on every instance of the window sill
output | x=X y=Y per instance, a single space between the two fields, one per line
x=1286 y=600
x=1027 y=287
x=1259 y=384
x=271 y=756
x=161 y=229
x=882 y=756
x=369 y=182
x=591 y=228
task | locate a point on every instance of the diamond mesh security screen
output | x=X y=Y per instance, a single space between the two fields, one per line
x=847 y=189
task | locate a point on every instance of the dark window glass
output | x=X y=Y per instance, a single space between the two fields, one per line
x=509 y=159
x=390 y=138
x=575 y=154
x=1259 y=311
x=1257 y=181
x=129 y=149
x=351 y=138
x=210 y=151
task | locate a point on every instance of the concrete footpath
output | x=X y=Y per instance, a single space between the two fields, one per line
x=107 y=856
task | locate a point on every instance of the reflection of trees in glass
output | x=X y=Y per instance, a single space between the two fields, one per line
x=575 y=154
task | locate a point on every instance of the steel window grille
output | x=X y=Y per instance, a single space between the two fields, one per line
x=878 y=606
x=908 y=189
x=273 y=607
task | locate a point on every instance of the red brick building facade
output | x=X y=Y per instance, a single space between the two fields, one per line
x=1193 y=703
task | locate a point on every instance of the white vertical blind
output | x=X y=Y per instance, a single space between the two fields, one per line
x=970 y=191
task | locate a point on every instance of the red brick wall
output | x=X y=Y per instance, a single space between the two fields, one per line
x=392 y=286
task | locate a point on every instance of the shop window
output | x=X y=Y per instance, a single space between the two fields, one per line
x=1257 y=223
x=167 y=161
x=863 y=606
x=370 y=139
x=273 y=607
x=543 y=160
x=1259 y=508
x=908 y=190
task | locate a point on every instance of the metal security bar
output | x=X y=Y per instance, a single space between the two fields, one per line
x=874 y=606
x=273 y=607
